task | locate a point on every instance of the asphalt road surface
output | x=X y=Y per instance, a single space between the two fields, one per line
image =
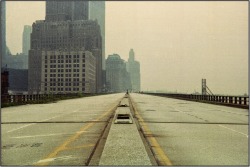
x=179 y=132
x=191 y=133
x=61 y=133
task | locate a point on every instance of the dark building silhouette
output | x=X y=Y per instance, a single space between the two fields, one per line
x=18 y=61
x=4 y=82
x=18 y=80
x=117 y=77
x=65 y=29
x=14 y=80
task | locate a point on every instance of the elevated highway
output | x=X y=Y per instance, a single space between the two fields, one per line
x=78 y=131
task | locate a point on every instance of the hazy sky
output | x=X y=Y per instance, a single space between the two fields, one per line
x=177 y=43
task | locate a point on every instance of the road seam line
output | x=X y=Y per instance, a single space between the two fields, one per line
x=71 y=139
x=161 y=156
x=40 y=121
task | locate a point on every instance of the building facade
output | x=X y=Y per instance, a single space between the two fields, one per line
x=4 y=82
x=66 y=10
x=62 y=72
x=97 y=12
x=133 y=67
x=3 y=33
x=117 y=77
x=26 y=39
x=67 y=29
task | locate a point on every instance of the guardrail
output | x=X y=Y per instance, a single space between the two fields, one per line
x=232 y=101
x=39 y=98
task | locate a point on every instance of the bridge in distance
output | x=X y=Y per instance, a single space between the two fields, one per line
x=164 y=131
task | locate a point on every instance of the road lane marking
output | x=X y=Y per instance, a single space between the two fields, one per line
x=234 y=130
x=77 y=147
x=54 y=134
x=40 y=121
x=162 y=157
x=63 y=146
x=20 y=128
x=57 y=158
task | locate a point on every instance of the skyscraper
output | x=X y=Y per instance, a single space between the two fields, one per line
x=133 y=68
x=97 y=12
x=65 y=32
x=67 y=10
x=26 y=39
x=117 y=77
x=3 y=33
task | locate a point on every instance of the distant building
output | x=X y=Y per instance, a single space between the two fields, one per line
x=26 y=39
x=97 y=12
x=4 y=82
x=67 y=29
x=18 y=80
x=62 y=72
x=14 y=80
x=18 y=61
x=133 y=67
x=117 y=77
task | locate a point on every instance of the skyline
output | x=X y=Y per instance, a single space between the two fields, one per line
x=167 y=37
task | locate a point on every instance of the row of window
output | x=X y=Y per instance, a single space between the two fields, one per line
x=62 y=70
x=64 y=56
x=62 y=84
x=62 y=66
x=64 y=89
x=62 y=80
x=62 y=61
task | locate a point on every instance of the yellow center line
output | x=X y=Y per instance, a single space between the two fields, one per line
x=72 y=138
x=77 y=147
x=160 y=154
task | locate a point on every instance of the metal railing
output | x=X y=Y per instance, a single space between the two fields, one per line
x=9 y=99
x=233 y=101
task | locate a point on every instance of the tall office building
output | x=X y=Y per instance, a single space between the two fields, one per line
x=67 y=10
x=133 y=67
x=26 y=39
x=117 y=77
x=97 y=12
x=66 y=30
x=3 y=33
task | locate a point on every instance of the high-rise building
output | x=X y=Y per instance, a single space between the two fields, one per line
x=59 y=71
x=117 y=77
x=67 y=10
x=67 y=32
x=26 y=39
x=133 y=67
x=3 y=33
x=97 y=12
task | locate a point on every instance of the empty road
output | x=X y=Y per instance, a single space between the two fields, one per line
x=174 y=132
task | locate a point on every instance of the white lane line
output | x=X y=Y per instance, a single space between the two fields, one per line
x=40 y=121
x=234 y=130
x=57 y=158
x=54 y=134
x=20 y=128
